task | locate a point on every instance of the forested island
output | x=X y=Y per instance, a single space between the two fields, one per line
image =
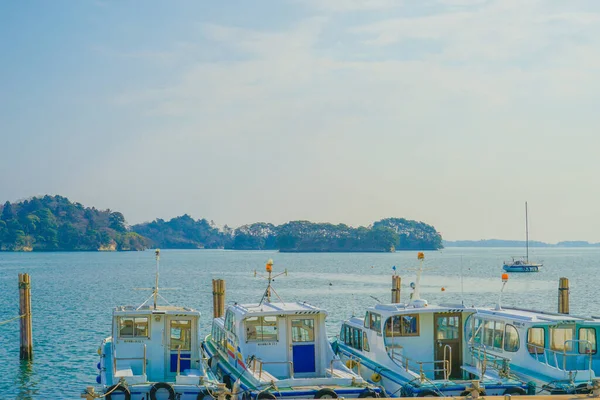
x=53 y=223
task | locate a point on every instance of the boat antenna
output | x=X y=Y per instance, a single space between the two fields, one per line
x=375 y=298
x=504 y=281
x=270 y=278
x=526 y=236
x=155 y=294
x=462 y=284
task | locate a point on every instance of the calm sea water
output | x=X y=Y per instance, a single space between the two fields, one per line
x=73 y=294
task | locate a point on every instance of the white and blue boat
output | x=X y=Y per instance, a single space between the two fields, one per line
x=522 y=264
x=418 y=349
x=154 y=353
x=269 y=350
x=558 y=352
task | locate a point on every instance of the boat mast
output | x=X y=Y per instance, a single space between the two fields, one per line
x=526 y=236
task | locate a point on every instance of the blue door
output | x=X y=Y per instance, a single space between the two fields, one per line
x=303 y=345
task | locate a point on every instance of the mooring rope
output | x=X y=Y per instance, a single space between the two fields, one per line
x=12 y=319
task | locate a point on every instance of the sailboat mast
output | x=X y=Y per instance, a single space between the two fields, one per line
x=526 y=235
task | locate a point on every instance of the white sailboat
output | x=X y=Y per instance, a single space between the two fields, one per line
x=523 y=264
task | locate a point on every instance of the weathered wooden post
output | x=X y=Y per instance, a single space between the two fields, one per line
x=396 y=281
x=563 y=296
x=26 y=352
x=218 y=298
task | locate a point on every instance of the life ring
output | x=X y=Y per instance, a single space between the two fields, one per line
x=350 y=364
x=162 y=385
x=118 y=388
x=375 y=377
x=266 y=396
x=326 y=393
x=368 y=394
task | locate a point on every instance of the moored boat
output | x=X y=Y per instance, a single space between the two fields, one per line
x=418 y=349
x=154 y=353
x=559 y=352
x=268 y=350
x=522 y=264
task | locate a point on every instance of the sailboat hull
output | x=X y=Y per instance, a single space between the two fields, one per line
x=522 y=267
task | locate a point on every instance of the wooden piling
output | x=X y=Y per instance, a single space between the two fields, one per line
x=563 y=296
x=218 y=298
x=396 y=281
x=26 y=352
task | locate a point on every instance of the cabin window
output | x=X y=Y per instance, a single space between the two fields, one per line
x=133 y=327
x=181 y=334
x=261 y=329
x=303 y=330
x=375 y=322
x=488 y=333
x=365 y=343
x=536 y=340
x=343 y=333
x=589 y=335
x=473 y=329
x=354 y=337
x=498 y=334
x=559 y=338
x=402 y=325
x=511 y=339
x=448 y=327
x=229 y=321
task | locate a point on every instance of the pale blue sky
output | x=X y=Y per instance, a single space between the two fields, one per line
x=453 y=112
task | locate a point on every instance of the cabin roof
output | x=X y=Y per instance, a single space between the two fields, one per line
x=530 y=315
x=401 y=308
x=131 y=310
x=277 y=309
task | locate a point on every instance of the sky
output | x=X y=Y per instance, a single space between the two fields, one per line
x=451 y=112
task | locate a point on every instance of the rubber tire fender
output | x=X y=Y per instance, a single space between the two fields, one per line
x=326 y=392
x=368 y=393
x=119 y=388
x=428 y=393
x=266 y=396
x=467 y=393
x=515 y=391
x=203 y=394
x=162 y=385
x=227 y=382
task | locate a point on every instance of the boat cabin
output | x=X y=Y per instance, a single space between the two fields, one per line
x=153 y=345
x=283 y=340
x=540 y=345
x=425 y=340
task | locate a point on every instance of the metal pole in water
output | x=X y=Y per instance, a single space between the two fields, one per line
x=563 y=296
x=26 y=352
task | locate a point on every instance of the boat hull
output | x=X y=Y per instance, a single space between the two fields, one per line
x=398 y=384
x=521 y=268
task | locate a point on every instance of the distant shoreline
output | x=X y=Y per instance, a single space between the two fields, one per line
x=491 y=243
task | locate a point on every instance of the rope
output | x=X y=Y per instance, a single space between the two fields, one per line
x=12 y=319
x=115 y=387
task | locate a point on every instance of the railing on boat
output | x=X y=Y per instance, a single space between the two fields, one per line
x=262 y=363
x=431 y=366
x=551 y=357
x=143 y=358
x=180 y=359
x=485 y=358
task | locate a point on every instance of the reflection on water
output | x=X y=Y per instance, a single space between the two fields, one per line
x=73 y=293
x=27 y=381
